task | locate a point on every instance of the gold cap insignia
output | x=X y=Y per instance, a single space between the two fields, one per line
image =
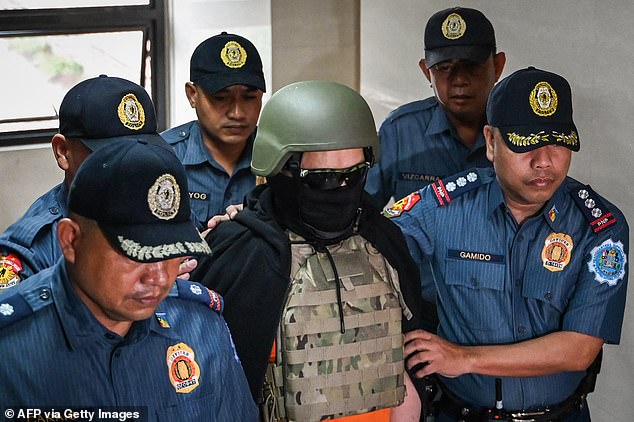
x=131 y=112
x=543 y=99
x=233 y=55
x=557 y=251
x=164 y=197
x=10 y=267
x=454 y=27
x=184 y=372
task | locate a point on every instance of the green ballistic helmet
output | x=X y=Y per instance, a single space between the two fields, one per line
x=311 y=116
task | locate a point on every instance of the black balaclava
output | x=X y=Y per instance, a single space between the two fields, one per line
x=327 y=216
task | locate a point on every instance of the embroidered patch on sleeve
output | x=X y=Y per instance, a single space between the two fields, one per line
x=10 y=267
x=402 y=205
x=607 y=262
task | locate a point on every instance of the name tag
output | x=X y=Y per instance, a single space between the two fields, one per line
x=475 y=256
x=417 y=177
x=198 y=195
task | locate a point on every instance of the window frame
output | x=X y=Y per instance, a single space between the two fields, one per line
x=150 y=19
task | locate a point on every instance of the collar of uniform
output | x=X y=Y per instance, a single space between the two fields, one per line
x=496 y=196
x=79 y=325
x=554 y=206
x=438 y=122
x=197 y=154
x=167 y=312
x=62 y=199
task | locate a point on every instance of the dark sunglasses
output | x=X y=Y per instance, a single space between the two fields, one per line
x=327 y=179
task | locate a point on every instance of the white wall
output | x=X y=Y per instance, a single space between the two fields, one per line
x=587 y=41
x=193 y=21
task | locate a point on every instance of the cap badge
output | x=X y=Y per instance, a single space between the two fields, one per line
x=556 y=252
x=184 y=372
x=233 y=55
x=164 y=197
x=131 y=112
x=10 y=267
x=543 y=99
x=454 y=27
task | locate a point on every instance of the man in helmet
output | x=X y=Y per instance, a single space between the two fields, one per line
x=294 y=265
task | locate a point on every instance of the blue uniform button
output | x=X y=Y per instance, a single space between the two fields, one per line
x=518 y=283
x=182 y=133
x=117 y=353
x=548 y=296
x=54 y=210
x=45 y=294
x=474 y=282
x=109 y=336
x=521 y=329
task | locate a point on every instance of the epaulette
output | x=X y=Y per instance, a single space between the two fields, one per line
x=453 y=186
x=198 y=293
x=592 y=208
x=15 y=307
x=177 y=134
x=412 y=107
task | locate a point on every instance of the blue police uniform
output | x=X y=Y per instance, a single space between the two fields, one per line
x=32 y=240
x=419 y=146
x=179 y=365
x=499 y=283
x=211 y=189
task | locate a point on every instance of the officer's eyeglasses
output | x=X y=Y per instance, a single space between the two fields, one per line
x=327 y=179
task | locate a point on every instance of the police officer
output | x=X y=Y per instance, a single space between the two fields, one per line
x=92 y=113
x=530 y=265
x=428 y=139
x=312 y=221
x=108 y=326
x=226 y=89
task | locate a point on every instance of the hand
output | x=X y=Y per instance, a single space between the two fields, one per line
x=230 y=213
x=437 y=354
x=186 y=267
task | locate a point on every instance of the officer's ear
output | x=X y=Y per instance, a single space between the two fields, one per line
x=68 y=232
x=59 y=143
x=489 y=136
x=192 y=93
x=499 y=60
x=423 y=67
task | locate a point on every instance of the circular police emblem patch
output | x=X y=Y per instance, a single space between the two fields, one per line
x=607 y=262
x=164 y=197
x=543 y=99
x=10 y=267
x=557 y=251
x=454 y=27
x=131 y=112
x=233 y=55
x=184 y=372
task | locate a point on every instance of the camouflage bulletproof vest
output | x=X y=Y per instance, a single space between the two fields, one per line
x=326 y=373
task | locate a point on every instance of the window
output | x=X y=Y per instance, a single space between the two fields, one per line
x=47 y=51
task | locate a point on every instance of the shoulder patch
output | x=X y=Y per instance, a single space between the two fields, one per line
x=198 y=293
x=10 y=267
x=607 y=262
x=592 y=208
x=402 y=205
x=12 y=309
x=453 y=186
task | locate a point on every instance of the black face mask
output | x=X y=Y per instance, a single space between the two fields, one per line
x=309 y=208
